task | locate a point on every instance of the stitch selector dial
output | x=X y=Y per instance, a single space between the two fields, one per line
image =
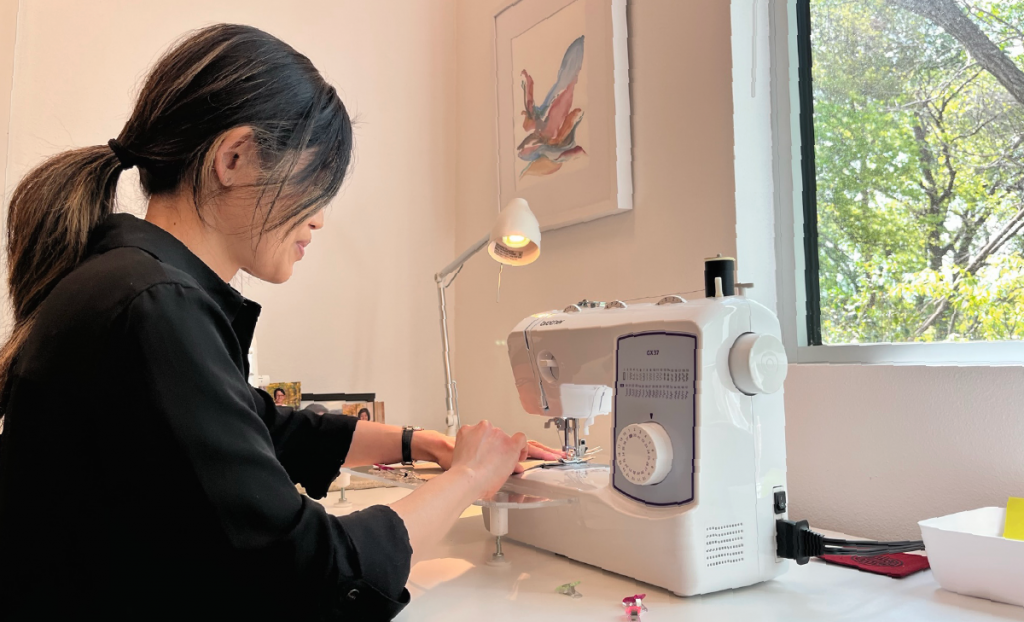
x=643 y=453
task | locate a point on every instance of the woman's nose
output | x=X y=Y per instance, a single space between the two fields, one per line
x=317 y=221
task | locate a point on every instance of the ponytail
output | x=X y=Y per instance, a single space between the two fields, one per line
x=51 y=214
x=215 y=79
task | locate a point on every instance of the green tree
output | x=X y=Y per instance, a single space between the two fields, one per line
x=919 y=151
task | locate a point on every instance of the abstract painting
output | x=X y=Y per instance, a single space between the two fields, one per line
x=563 y=108
x=550 y=56
x=553 y=123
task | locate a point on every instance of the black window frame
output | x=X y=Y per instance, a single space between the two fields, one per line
x=808 y=172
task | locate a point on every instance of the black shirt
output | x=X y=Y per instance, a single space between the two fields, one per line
x=142 y=477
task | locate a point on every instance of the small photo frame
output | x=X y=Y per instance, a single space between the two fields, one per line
x=365 y=411
x=285 y=393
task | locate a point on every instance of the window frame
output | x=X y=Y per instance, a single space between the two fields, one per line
x=796 y=236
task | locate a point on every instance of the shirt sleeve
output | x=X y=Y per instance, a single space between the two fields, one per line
x=311 y=447
x=353 y=567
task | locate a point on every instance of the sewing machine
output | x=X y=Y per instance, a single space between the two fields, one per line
x=698 y=455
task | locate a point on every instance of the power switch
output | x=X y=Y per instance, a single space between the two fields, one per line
x=780 y=501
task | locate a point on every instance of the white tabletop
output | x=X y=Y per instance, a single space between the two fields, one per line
x=456 y=584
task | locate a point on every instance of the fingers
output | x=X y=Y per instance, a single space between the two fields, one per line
x=519 y=441
x=542 y=452
x=544 y=447
x=547 y=455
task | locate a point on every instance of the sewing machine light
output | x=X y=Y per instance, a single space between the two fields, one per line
x=515 y=238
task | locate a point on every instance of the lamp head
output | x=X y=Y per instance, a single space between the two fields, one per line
x=515 y=238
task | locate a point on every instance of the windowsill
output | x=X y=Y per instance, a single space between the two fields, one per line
x=963 y=354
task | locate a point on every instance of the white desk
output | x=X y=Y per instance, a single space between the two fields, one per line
x=456 y=584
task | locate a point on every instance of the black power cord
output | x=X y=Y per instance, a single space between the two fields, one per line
x=796 y=541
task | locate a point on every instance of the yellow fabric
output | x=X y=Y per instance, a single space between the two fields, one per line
x=1014 y=519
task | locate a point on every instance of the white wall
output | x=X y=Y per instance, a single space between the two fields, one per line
x=681 y=94
x=753 y=177
x=359 y=315
x=8 y=34
x=874 y=449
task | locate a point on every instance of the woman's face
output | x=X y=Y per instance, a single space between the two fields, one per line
x=272 y=257
x=279 y=397
x=268 y=255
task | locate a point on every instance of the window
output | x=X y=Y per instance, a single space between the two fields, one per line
x=912 y=130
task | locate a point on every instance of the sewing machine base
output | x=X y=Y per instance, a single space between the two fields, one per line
x=688 y=550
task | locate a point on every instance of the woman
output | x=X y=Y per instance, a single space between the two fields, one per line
x=280 y=397
x=182 y=504
x=364 y=414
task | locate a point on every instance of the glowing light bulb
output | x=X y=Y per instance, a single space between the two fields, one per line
x=515 y=241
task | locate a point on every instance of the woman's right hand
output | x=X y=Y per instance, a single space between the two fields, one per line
x=489 y=454
x=481 y=461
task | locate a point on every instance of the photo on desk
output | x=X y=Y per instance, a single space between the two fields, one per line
x=364 y=411
x=285 y=393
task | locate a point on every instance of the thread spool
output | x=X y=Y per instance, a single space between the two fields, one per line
x=723 y=268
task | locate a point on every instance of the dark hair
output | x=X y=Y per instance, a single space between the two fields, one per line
x=364 y=410
x=283 y=392
x=215 y=79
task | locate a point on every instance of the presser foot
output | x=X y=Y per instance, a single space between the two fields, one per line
x=580 y=463
x=583 y=463
x=575 y=460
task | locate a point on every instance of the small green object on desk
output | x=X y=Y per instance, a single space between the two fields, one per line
x=1014 y=529
x=569 y=589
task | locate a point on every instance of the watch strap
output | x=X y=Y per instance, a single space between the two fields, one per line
x=407 y=444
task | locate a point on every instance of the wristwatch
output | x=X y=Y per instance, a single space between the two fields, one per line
x=407 y=443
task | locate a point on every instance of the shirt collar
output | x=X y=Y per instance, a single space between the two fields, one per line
x=126 y=230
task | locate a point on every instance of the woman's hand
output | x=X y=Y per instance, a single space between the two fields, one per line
x=433 y=447
x=481 y=459
x=487 y=455
x=537 y=451
x=436 y=447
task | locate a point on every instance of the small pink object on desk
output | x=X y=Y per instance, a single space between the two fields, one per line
x=634 y=606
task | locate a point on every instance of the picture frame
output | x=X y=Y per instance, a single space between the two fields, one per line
x=285 y=393
x=562 y=90
x=366 y=411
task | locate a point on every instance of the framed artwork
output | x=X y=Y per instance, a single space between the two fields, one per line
x=562 y=87
x=285 y=393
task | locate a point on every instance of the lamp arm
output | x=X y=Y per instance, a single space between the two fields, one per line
x=463 y=258
x=451 y=397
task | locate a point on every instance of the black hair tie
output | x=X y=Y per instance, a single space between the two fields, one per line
x=125 y=157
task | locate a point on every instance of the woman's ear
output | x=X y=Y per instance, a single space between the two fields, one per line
x=235 y=160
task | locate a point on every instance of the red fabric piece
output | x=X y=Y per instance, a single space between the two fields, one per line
x=895 y=565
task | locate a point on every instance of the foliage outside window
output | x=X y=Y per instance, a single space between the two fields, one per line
x=919 y=155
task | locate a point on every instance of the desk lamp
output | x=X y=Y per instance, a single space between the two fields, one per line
x=514 y=241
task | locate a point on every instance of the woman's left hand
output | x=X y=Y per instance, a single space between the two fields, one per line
x=536 y=451
x=436 y=447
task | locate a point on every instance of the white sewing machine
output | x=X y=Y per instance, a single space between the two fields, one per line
x=698 y=473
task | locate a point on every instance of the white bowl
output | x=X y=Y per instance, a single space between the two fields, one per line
x=969 y=555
